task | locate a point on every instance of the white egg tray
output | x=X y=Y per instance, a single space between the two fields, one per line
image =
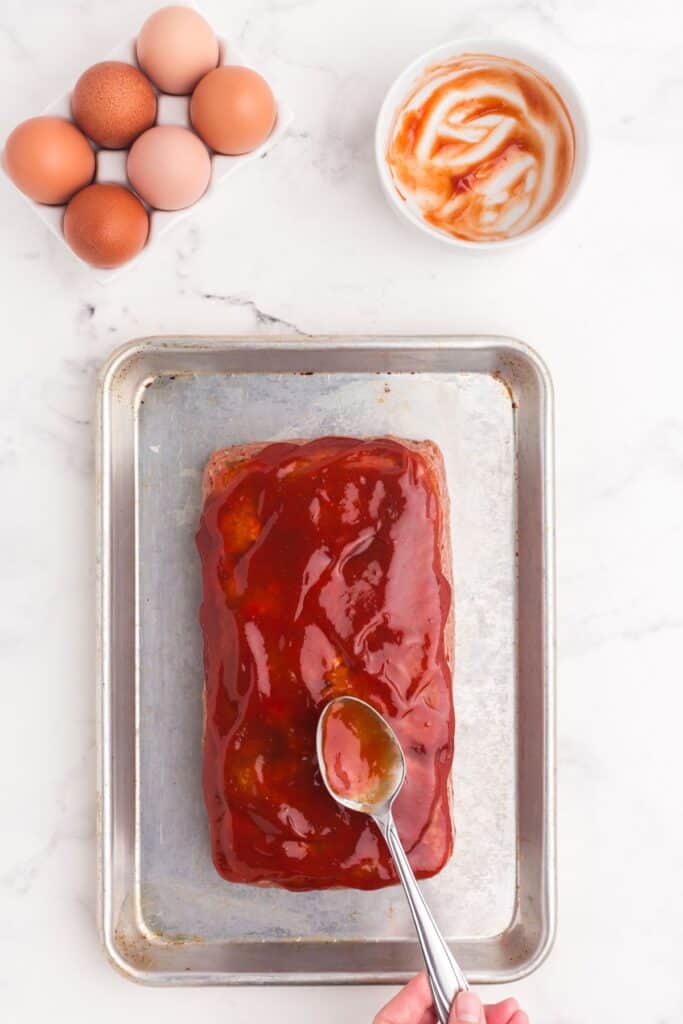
x=111 y=164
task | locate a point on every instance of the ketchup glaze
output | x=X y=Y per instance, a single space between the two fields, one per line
x=323 y=575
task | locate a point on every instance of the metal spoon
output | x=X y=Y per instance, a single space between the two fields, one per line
x=446 y=978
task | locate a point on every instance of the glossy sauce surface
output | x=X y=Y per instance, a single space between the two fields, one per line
x=361 y=759
x=483 y=147
x=322 y=576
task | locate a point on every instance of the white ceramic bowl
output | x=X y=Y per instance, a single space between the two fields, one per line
x=401 y=88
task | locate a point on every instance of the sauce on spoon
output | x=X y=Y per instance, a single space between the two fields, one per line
x=360 y=754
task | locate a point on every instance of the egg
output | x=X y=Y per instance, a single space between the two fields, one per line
x=49 y=159
x=106 y=225
x=176 y=47
x=233 y=109
x=169 y=167
x=113 y=103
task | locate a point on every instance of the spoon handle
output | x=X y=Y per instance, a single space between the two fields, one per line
x=445 y=976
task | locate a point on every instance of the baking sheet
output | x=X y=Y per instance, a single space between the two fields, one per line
x=167 y=917
x=181 y=422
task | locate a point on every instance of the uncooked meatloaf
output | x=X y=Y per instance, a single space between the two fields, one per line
x=326 y=571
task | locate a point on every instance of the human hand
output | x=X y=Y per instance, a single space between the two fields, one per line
x=413 y=1005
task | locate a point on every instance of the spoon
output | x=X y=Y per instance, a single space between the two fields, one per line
x=363 y=767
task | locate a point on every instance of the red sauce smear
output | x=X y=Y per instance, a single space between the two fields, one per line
x=483 y=147
x=322 y=576
x=359 y=754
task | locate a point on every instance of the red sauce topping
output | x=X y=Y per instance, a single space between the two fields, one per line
x=359 y=753
x=322 y=576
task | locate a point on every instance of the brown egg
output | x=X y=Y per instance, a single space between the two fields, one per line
x=106 y=225
x=175 y=47
x=49 y=159
x=113 y=103
x=233 y=109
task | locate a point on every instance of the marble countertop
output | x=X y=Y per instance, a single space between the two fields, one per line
x=303 y=242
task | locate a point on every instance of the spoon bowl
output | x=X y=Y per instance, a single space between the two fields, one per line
x=373 y=737
x=363 y=767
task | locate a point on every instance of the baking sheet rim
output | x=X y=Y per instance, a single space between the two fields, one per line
x=189 y=344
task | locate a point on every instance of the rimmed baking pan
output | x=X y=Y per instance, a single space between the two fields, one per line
x=165 y=405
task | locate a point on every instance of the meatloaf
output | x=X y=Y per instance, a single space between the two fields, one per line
x=326 y=571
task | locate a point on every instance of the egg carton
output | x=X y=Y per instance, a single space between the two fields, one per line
x=111 y=164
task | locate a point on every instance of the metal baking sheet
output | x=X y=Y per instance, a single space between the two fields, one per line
x=167 y=917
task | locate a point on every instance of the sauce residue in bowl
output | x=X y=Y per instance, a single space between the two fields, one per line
x=362 y=762
x=482 y=148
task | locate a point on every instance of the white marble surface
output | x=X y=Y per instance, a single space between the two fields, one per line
x=303 y=242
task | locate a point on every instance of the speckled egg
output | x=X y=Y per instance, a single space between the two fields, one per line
x=113 y=103
x=106 y=225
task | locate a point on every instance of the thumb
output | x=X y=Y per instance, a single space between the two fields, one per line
x=467 y=1009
